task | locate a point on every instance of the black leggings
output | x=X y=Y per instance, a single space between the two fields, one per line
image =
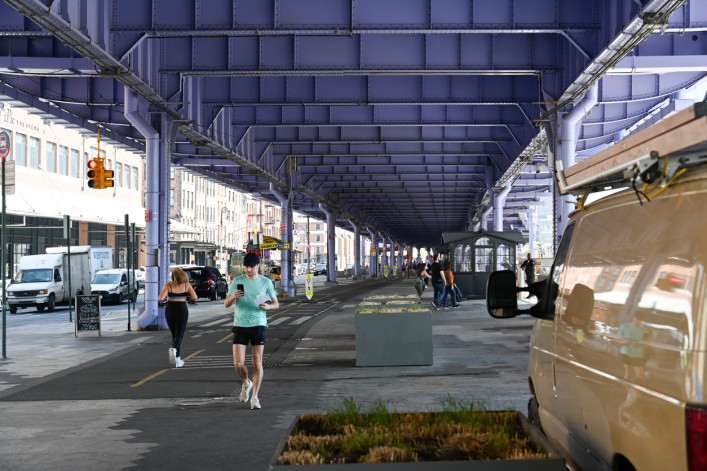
x=177 y=315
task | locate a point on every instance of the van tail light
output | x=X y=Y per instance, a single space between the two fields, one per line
x=209 y=282
x=696 y=437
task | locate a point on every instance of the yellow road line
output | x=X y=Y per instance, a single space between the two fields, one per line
x=194 y=354
x=143 y=381
x=153 y=376
x=225 y=338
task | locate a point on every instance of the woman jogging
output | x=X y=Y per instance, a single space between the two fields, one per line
x=177 y=292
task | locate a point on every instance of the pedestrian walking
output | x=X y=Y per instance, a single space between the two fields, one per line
x=437 y=280
x=449 y=286
x=528 y=266
x=252 y=295
x=176 y=293
x=422 y=276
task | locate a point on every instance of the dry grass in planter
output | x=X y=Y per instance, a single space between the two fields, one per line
x=460 y=432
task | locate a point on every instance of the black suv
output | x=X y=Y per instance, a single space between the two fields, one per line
x=207 y=282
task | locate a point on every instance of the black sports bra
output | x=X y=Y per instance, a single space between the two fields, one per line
x=175 y=296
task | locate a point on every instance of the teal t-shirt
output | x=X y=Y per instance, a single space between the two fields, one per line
x=246 y=312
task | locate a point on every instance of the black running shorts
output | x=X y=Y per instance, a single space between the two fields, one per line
x=254 y=335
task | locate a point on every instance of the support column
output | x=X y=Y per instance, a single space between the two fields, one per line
x=374 y=255
x=330 y=244
x=357 y=251
x=286 y=282
x=568 y=141
x=152 y=202
x=499 y=201
x=531 y=230
x=384 y=255
x=168 y=136
x=485 y=217
x=400 y=257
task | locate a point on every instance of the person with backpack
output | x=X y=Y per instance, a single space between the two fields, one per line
x=449 y=286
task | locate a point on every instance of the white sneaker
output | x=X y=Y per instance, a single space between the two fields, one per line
x=245 y=391
x=178 y=362
x=172 y=352
x=254 y=403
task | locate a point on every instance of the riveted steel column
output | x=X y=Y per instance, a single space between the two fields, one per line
x=152 y=201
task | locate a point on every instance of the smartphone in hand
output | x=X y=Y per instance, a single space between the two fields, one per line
x=239 y=287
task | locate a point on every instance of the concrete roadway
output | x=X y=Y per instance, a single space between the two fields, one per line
x=113 y=402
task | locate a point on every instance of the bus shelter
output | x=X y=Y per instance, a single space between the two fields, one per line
x=474 y=255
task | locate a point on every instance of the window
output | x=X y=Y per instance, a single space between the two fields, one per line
x=171 y=197
x=318 y=239
x=74 y=163
x=94 y=153
x=171 y=173
x=135 y=180
x=503 y=258
x=34 y=152
x=126 y=176
x=21 y=149
x=51 y=157
x=118 y=174
x=62 y=158
x=483 y=253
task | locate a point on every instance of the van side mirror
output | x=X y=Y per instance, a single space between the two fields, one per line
x=501 y=294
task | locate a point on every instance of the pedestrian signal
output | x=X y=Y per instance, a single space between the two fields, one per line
x=95 y=174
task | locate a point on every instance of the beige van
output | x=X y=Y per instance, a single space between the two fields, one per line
x=618 y=361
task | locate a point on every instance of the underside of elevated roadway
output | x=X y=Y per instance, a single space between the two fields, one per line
x=403 y=117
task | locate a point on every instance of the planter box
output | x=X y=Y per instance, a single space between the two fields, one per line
x=394 y=339
x=554 y=462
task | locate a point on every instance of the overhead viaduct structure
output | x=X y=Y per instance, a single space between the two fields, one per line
x=398 y=119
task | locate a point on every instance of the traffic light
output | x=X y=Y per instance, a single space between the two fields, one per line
x=95 y=174
x=98 y=176
x=107 y=178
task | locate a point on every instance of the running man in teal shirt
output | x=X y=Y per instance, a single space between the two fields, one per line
x=249 y=323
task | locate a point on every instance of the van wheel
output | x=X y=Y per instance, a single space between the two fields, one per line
x=13 y=309
x=134 y=299
x=534 y=412
x=212 y=295
x=51 y=304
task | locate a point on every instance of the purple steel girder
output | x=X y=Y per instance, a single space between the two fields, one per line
x=399 y=114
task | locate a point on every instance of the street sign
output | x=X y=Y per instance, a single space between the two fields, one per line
x=308 y=286
x=5 y=145
x=9 y=167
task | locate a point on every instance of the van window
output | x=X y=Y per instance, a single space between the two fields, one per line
x=557 y=267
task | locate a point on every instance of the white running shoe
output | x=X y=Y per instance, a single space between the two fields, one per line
x=172 y=352
x=178 y=362
x=254 y=403
x=245 y=391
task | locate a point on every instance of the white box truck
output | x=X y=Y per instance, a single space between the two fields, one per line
x=42 y=281
x=101 y=257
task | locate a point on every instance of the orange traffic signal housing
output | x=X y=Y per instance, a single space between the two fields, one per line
x=95 y=174
x=107 y=178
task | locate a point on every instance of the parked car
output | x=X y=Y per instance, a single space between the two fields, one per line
x=275 y=274
x=207 y=282
x=140 y=277
x=319 y=269
x=113 y=286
